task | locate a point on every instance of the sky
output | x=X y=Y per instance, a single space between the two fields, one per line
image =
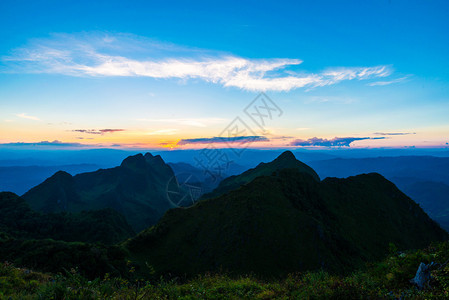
x=194 y=74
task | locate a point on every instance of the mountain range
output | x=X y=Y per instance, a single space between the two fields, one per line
x=272 y=220
x=137 y=189
x=423 y=178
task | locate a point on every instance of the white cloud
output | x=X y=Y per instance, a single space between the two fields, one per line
x=327 y=99
x=25 y=116
x=387 y=82
x=124 y=55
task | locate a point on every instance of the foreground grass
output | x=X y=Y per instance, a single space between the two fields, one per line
x=387 y=279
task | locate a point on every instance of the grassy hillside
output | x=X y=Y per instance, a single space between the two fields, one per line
x=47 y=255
x=283 y=234
x=56 y=242
x=388 y=279
x=19 y=221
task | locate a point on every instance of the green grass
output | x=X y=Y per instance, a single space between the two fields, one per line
x=388 y=279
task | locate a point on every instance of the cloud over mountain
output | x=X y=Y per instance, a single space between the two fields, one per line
x=44 y=143
x=335 y=142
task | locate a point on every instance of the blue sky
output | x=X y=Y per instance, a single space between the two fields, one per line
x=373 y=73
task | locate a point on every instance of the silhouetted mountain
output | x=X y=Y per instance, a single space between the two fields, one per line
x=423 y=178
x=137 y=188
x=284 y=161
x=283 y=221
x=18 y=221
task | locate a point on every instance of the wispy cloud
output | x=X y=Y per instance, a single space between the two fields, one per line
x=110 y=130
x=195 y=122
x=335 y=142
x=97 y=131
x=217 y=140
x=44 y=143
x=163 y=132
x=125 y=55
x=328 y=99
x=26 y=116
x=388 y=82
x=394 y=133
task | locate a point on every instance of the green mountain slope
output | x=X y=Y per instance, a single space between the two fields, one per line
x=432 y=196
x=285 y=222
x=137 y=189
x=283 y=161
x=19 y=221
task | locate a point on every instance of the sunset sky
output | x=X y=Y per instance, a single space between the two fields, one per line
x=169 y=74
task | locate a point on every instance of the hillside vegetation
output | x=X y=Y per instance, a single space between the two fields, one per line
x=286 y=222
x=280 y=233
x=388 y=279
x=19 y=221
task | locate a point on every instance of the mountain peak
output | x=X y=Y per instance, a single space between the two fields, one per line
x=286 y=160
x=266 y=212
x=133 y=161
x=286 y=155
x=159 y=159
x=60 y=175
x=148 y=155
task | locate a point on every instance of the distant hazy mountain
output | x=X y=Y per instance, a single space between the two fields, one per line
x=19 y=179
x=207 y=180
x=18 y=221
x=282 y=219
x=137 y=188
x=427 y=168
x=432 y=196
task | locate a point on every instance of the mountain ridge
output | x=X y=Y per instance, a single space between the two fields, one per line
x=285 y=160
x=284 y=222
